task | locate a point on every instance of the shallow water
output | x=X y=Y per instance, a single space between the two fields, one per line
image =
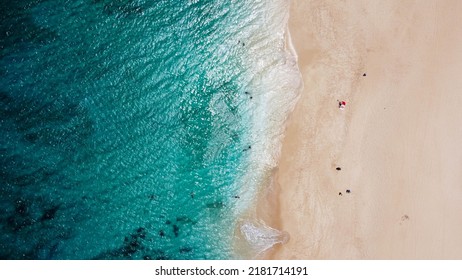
x=128 y=127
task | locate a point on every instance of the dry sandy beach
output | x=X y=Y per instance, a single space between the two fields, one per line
x=398 y=141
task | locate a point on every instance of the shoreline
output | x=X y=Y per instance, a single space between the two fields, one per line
x=267 y=205
x=278 y=84
x=398 y=157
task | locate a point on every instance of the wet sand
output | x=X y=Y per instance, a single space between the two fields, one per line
x=397 y=141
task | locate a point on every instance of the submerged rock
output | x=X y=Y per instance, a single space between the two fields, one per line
x=184 y=250
x=49 y=214
x=176 y=230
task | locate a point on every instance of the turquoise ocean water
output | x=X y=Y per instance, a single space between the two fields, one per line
x=138 y=129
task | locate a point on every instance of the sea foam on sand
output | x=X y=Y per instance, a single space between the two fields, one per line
x=274 y=89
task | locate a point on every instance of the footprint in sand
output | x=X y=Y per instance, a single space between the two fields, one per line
x=404 y=218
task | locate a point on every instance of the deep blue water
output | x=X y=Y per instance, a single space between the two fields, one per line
x=125 y=128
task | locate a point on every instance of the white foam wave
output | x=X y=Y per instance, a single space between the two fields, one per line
x=275 y=84
x=261 y=237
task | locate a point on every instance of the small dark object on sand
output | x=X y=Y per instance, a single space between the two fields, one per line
x=348 y=191
x=338 y=168
x=364 y=75
x=340 y=193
